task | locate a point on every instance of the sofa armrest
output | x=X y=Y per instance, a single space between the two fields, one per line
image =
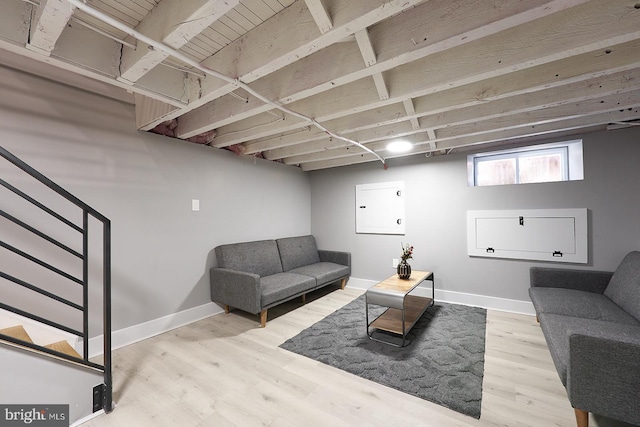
x=236 y=289
x=584 y=280
x=342 y=258
x=603 y=375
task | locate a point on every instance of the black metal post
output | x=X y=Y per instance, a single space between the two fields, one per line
x=85 y=284
x=108 y=380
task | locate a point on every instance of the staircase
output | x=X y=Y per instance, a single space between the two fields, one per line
x=51 y=303
x=31 y=335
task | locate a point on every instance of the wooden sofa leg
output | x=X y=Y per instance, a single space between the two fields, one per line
x=263 y=318
x=226 y=309
x=582 y=417
x=304 y=298
x=343 y=283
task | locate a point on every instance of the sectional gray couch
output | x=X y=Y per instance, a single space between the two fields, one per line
x=255 y=276
x=591 y=322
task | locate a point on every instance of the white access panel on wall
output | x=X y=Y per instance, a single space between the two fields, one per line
x=380 y=208
x=540 y=234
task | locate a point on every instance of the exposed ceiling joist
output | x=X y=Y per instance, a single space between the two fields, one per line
x=326 y=83
x=338 y=64
x=496 y=55
x=174 y=23
x=411 y=112
x=50 y=18
x=320 y=15
x=255 y=55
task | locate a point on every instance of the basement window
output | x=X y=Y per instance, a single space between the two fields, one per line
x=539 y=163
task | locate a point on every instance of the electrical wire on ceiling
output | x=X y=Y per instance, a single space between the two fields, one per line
x=80 y=4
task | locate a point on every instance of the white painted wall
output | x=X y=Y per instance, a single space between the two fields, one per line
x=145 y=184
x=437 y=199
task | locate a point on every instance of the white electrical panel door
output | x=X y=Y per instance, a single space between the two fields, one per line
x=542 y=234
x=380 y=208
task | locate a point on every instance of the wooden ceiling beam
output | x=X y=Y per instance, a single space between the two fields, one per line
x=411 y=112
x=338 y=65
x=385 y=115
x=174 y=23
x=544 y=115
x=320 y=15
x=366 y=48
x=561 y=101
x=345 y=150
x=48 y=22
x=586 y=97
x=571 y=70
x=575 y=123
x=493 y=56
x=533 y=118
x=548 y=130
x=254 y=55
x=369 y=57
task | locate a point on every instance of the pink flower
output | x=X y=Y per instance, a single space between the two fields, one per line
x=407 y=252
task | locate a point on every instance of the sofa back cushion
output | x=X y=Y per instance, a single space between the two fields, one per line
x=297 y=251
x=259 y=257
x=624 y=287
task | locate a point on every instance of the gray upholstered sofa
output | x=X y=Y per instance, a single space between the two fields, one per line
x=255 y=276
x=591 y=322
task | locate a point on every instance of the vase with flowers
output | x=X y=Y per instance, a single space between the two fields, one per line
x=404 y=269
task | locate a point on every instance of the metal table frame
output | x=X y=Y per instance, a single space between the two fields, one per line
x=403 y=310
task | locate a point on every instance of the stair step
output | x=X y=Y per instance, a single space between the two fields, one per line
x=17 y=332
x=64 y=347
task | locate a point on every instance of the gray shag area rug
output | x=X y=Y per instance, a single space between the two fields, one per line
x=443 y=363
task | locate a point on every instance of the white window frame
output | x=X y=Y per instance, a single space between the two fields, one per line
x=571 y=152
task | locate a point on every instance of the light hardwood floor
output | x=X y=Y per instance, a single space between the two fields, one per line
x=226 y=371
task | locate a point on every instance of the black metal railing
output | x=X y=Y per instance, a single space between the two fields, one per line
x=87 y=212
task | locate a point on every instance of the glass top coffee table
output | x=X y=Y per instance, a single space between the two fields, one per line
x=403 y=310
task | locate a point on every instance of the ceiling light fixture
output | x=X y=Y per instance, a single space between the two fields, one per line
x=399 y=146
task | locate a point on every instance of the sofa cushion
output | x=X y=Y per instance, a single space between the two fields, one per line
x=259 y=257
x=557 y=330
x=282 y=286
x=624 y=287
x=587 y=305
x=324 y=272
x=297 y=251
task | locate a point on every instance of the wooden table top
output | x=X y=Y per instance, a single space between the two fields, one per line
x=404 y=286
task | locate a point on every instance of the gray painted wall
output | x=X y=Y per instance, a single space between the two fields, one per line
x=37 y=379
x=144 y=183
x=437 y=199
x=162 y=250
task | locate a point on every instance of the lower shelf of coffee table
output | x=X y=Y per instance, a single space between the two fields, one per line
x=391 y=319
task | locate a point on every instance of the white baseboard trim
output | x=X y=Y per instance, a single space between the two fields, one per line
x=87 y=418
x=135 y=333
x=132 y=334
x=492 y=303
